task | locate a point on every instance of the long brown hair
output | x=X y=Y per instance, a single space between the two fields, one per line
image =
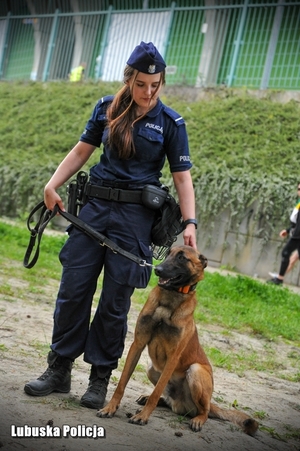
x=122 y=115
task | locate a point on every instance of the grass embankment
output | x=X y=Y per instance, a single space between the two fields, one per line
x=234 y=304
x=243 y=149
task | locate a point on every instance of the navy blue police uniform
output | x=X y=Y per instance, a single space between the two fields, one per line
x=159 y=135
x=114 y=208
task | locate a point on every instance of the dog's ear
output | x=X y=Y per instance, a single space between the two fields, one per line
x=203 y=260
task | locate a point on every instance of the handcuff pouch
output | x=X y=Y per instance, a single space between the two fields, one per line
x=154 y=196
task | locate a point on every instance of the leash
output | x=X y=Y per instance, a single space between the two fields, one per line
x=46 y=216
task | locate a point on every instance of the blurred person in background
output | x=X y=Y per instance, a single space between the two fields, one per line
x=77 y=73
x=291 y=251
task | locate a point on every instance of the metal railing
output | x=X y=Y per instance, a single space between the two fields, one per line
x=205 y=43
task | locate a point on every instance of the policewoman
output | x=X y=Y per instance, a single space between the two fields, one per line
x=138 y=133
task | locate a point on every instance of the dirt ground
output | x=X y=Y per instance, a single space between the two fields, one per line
x=25 y=330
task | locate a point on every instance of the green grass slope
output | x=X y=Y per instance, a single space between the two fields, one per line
x=243 y=149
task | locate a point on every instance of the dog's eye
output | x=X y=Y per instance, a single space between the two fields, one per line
x=181 y=257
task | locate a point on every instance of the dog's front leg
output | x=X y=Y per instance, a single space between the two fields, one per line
x=200 y=381
x=142 y=416
x=131 y=361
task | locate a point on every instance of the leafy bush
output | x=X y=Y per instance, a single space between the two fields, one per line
x=243 y=149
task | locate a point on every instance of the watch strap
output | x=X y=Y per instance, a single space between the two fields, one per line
x=191 y=221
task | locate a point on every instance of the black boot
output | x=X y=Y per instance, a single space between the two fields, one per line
x=275 y=281
x=57 y=377
x=94 y=397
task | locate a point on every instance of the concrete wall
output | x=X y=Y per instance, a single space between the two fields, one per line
x=243 y=249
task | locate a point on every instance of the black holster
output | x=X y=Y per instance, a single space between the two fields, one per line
x=76 y=193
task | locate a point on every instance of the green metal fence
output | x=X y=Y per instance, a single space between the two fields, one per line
x=205 y=43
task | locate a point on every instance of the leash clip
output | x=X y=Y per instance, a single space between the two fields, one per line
x=144 y=263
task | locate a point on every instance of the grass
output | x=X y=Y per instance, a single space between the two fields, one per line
x=244 y=149
x=244 y=304
x=233 y=303
x=14 y=242
x=290 y=433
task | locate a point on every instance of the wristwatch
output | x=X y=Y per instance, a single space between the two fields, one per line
x=190 y=221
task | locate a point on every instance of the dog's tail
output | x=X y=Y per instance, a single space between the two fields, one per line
x=244 y=421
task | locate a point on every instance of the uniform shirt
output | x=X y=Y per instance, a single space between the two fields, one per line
x=159 y=135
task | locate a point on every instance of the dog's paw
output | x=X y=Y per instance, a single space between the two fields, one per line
x=107 y=412
x=195 y=424
x=139 y=419
x=104 y=414
x=142 y=400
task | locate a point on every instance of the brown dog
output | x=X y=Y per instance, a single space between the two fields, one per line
x=180 y=369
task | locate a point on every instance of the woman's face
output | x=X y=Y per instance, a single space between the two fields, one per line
x=145 y=89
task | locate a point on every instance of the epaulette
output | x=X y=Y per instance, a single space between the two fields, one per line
x=105 y=99
x=102 y=105
x=174 y=115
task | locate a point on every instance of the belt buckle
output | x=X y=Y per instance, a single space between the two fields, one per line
x=114 y=194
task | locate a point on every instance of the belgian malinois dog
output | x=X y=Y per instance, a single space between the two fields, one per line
x=180 y=370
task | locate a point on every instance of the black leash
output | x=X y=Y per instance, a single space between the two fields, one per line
x=46 y=216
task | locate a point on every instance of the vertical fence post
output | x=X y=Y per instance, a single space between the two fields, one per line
x=100 y=57
x=272 y=45
x=173 y=4
x=238 y=43
x=4 y=46
x=51 y=45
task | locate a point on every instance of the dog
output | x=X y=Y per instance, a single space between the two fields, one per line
x=179 y=369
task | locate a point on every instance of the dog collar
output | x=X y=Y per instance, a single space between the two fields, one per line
x=187 y=289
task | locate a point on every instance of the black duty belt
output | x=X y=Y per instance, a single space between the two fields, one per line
x=116 y=194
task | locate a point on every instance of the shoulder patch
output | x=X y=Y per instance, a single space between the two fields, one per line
x=174 y=115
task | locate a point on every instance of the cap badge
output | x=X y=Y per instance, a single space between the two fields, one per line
x=151 y=69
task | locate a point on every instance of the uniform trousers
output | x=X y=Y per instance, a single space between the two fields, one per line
x=289 y=248
x=83 y=258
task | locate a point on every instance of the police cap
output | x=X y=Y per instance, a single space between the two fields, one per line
x=147 y=59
